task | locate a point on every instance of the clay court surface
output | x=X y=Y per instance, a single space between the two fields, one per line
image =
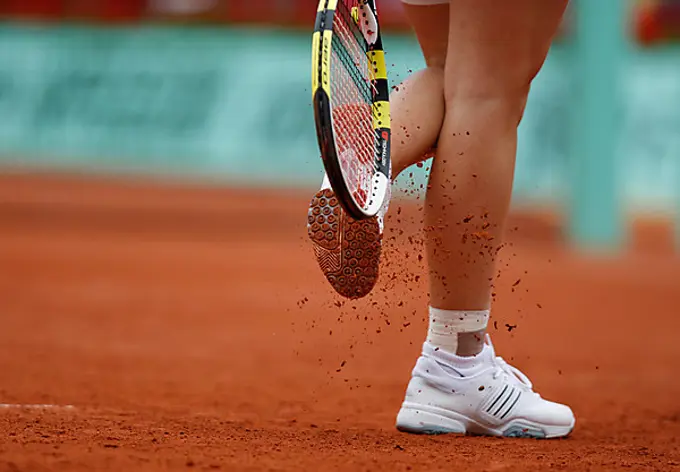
x=190 y=329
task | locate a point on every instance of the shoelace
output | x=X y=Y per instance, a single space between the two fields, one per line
x=512 y=372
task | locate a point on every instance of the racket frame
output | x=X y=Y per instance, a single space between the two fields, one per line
x=322 y=41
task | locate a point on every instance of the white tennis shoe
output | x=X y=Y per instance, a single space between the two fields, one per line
x=481 y=395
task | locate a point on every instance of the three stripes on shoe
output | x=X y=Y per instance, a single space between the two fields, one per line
x=504 y=402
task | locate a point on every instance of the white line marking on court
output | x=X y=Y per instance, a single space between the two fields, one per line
x=35 y=406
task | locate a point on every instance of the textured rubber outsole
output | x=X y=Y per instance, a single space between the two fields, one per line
x=347 y=250
x=414 y=420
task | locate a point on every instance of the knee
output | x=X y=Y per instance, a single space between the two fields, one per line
x=436 y=76
x=486 y=96
x=499 y=84
x=429 y=80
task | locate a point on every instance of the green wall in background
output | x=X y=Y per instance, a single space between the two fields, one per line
x=234 y=105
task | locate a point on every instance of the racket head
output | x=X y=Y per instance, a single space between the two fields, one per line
x=350 y=96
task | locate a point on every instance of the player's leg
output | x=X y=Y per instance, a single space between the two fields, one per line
x=495 y=50
x=417 y=109
x=459 y=385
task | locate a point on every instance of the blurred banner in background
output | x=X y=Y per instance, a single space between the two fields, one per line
x=657 y=21
x=220 y=89
x=264 y=12
x=653 y=20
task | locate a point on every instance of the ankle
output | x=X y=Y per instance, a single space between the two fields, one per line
x=458 y=332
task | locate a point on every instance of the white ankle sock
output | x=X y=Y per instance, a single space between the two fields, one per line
x=458 y=365
x=445 y=325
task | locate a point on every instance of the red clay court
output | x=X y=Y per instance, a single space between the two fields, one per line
x=190 y=329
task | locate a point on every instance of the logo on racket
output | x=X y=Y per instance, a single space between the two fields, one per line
x=383 y=151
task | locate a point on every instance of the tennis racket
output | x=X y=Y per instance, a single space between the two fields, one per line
x=350 y=96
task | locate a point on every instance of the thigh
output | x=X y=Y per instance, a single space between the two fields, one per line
x=498 y=46
x=430 y=22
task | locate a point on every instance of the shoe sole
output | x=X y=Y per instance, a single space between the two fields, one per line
x=347 y=250
x=422 y=419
